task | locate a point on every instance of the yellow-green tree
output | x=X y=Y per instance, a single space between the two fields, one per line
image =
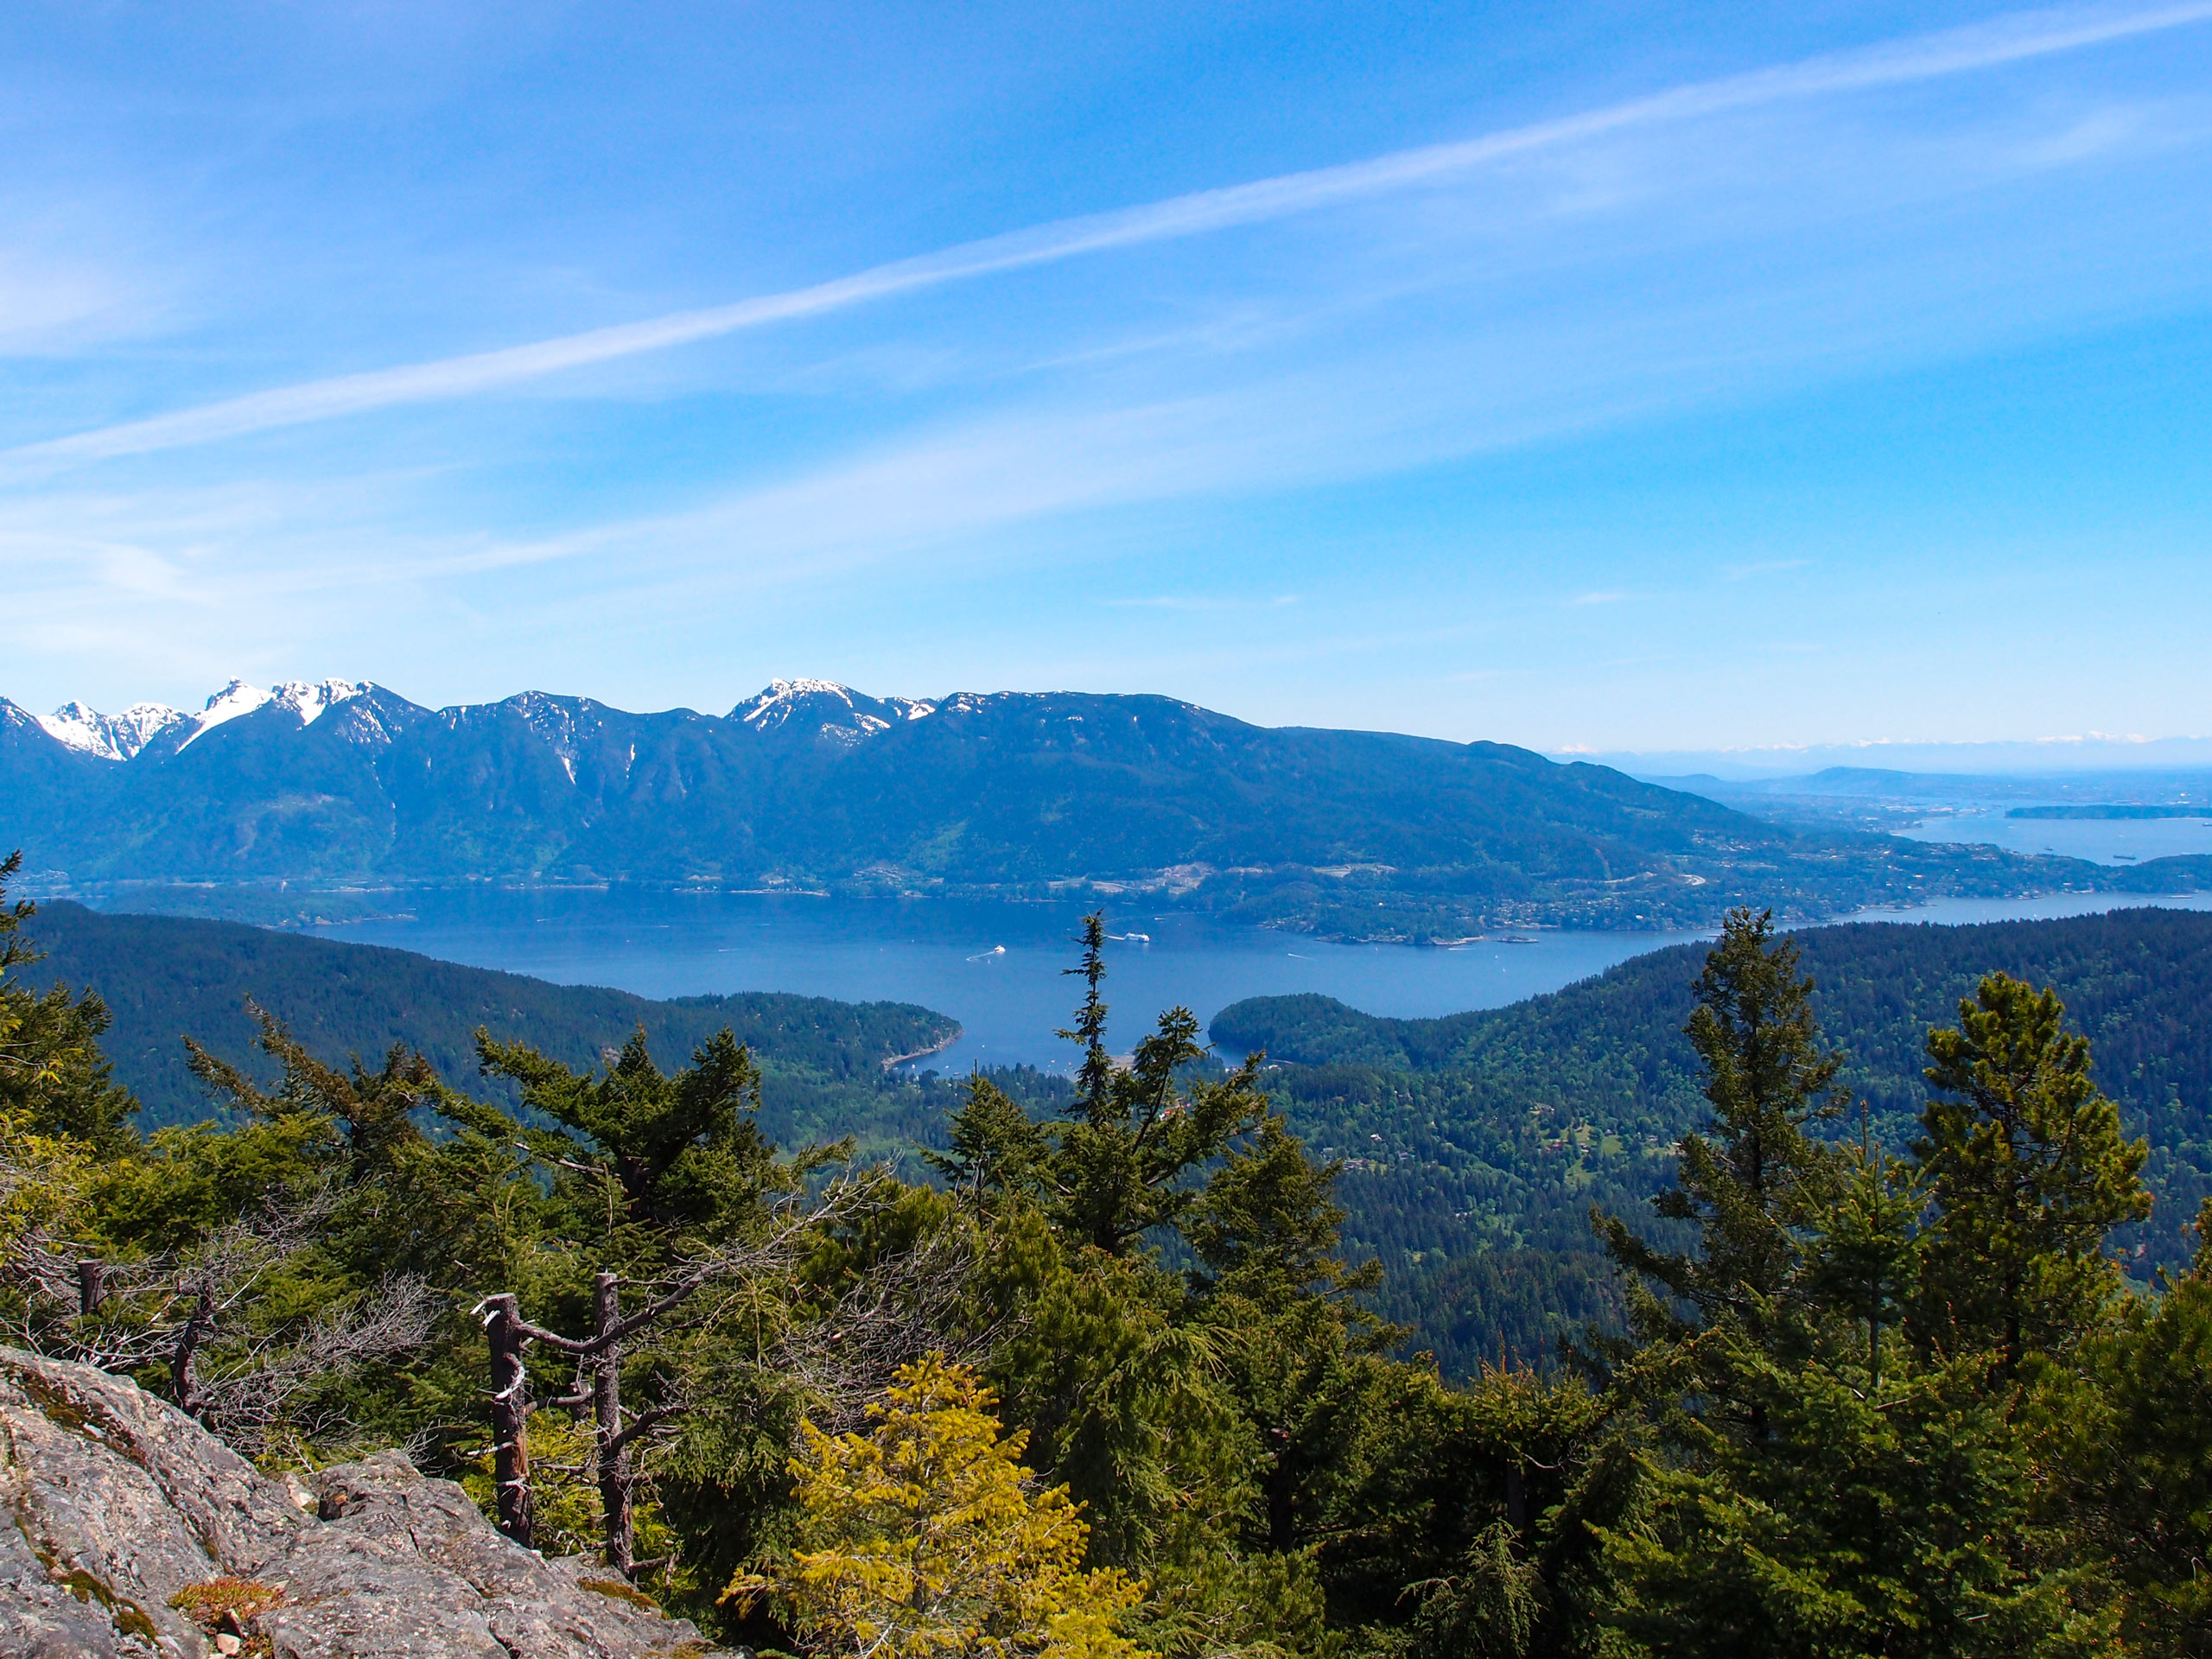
x=53 y=1080
x=926 y=1535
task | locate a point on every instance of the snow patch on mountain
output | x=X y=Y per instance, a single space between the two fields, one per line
x=309 y=700
x=831 y=714
x=785 y=698
x=227 y=705
x=554 y=719
x=112 y=737
x=845 y=716
x=306 y=699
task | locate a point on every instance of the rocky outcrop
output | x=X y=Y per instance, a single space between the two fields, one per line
x=136 y=1534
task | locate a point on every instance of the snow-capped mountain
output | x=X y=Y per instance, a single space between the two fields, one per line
x=812 y=783
x=304 y=698
x=122 y=737
x=112 y=737
x=830 y=712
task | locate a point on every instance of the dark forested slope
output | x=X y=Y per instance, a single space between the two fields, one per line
x=1494 y=1131
x=164 y=978
x=1473 y=1145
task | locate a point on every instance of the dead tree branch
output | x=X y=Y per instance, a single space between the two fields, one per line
x=189 y=1313
x=794 y=1223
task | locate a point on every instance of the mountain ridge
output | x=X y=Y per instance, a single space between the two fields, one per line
x=811 y=784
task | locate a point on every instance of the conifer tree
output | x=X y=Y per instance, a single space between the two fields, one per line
x=996 y=1149
x=53 y=1079
x=925 y=1535
x=1755 y=1176
x=2150 y=1484
x=1119 y=1167
x=679 y=1152
x=1855 y=1497
x=1094 y=1082
x=1849 y=1529
x=2025 y=1160
x=1882 y=1502
x=1864 y=1255
x=371 y=1113
x=1265 y=1224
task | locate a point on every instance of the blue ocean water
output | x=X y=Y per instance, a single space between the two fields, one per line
x=997 y=967
x=2103 y=841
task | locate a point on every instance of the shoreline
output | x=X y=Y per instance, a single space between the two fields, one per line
x=898 y=1060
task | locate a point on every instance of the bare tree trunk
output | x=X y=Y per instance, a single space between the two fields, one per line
x=612 y=1457
x=92 y=1285
x=184 y=1385
x=509 y=1410
x=600 y=1354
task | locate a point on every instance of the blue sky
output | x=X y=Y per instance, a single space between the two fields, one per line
x=1606 y=377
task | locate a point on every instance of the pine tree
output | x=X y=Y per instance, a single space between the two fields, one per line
x=1755 y=1176
x=1095 y=1080
x=1886 y=1502
x=1265 y=1224
x=374 y=1112
x=1818 y=1491
x=1135 y=1134
x=1864 y=1255
x=997 y=1150
x=53 y=1079
x=673 y=1153
x=2149 y=1465
x=2026 y=1165
x=1906 y=1528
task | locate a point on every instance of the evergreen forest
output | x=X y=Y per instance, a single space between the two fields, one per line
x=163 y=978
x=1093 y=1371
x=1475 y=1144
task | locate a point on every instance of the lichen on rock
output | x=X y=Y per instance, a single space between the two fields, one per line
x=137 y=1535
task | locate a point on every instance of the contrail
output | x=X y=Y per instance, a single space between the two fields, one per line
x=1928 y=57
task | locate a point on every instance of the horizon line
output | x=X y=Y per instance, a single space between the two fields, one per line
x=807 y=682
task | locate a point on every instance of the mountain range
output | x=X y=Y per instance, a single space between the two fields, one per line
x=813 y=786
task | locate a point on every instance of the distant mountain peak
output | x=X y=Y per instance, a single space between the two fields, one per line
x=838 y=713
x=780 y=691
x=112 y=737
x=81 y=727
x=307 y=699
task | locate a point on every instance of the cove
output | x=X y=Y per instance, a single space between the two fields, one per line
x=997 y=967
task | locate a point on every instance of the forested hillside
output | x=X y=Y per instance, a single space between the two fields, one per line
x=1362 y=834
x=1474 y=1145
x=1480 y=1140
x=165 y=978
x=1104 y=1387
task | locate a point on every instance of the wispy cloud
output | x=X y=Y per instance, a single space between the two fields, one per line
x=43 y=307
x=1919 y=59
x=1201 y=602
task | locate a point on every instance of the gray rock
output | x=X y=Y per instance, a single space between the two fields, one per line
x=121 y=1502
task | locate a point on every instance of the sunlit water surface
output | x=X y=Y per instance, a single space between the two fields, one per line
x=997 y=967
x=2103 y=841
